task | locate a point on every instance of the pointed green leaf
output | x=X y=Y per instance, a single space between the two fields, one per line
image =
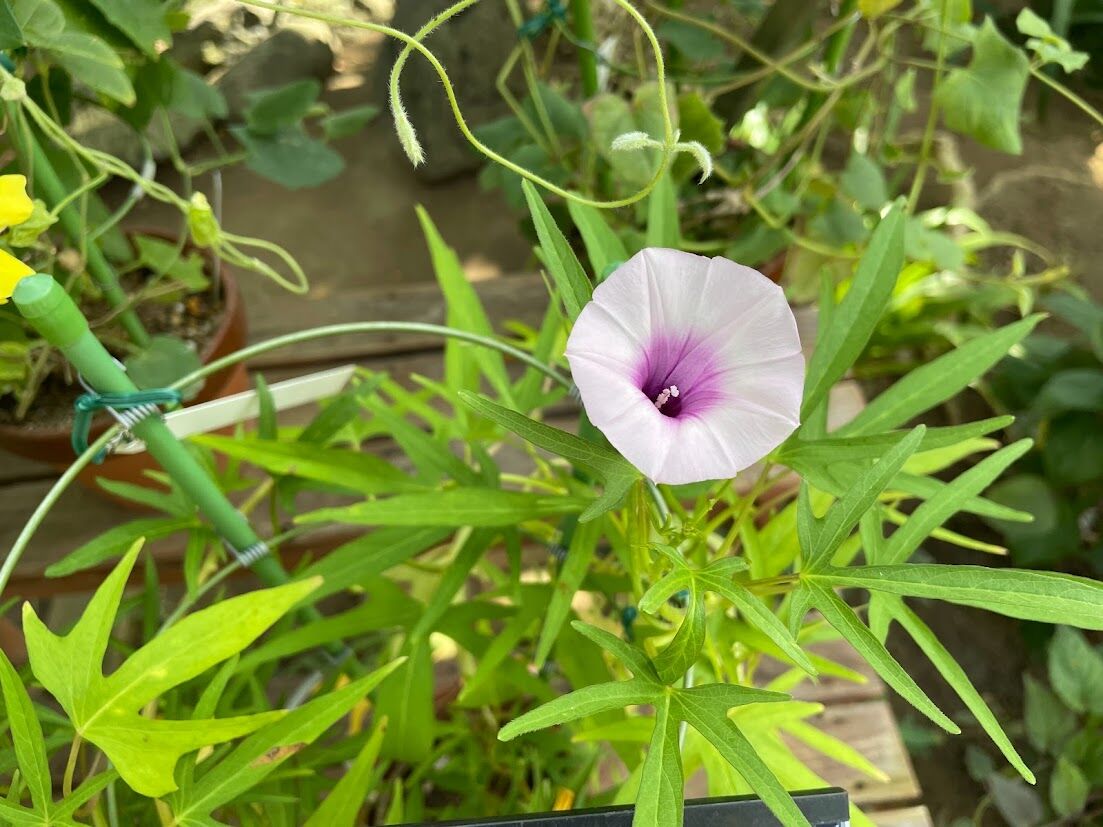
x=854 y=319
x=808 y=525
x=759 y=616
x=341 y=410
x=659 y=802
x=800 y=602
x=500 y=650
x=343 y=803
x=664 y=589
x=11 y=36
x=116 y=540
x=947 y=502
x=19 y=816
x=433 y=458
x=26 y=733
x=582 y=703
x=845 y=513
x=465 y=310
x=1076 y=671
x=105 y=711
x=835 y=749
x=452 y=507
x=937 y=381
x=708 y=714
x=572 y=286
x=983 y=100
x=579 y=555
x=529 y=389
x=614 y=470
x=802 y=454
x=1069 y=789
x=1049 y=723
x=144 y=23
x=386 y=606
x=267 y=426
x=94 y=62
x=727 y=696
x=273 y=109
x=631 y=656
x=370 y=555
x=662 y=215
x=263 y=752
x=1044 y=596
x=88 y=789
x=356 y=470
x=603 y=246
x=681 y=653
x=847 y=623
x=928 y=487
x=407 y=702
x=954 y=675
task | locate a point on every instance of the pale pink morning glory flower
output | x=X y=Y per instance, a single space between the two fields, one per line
x=690 y=366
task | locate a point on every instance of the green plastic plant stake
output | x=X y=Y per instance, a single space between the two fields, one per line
x=587 y=60
x=49 y=185
x=46 y=305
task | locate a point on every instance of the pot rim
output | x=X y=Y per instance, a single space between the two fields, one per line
x=232 y=316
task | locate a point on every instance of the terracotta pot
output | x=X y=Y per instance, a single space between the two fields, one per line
x=52 y=445
x=774 y=269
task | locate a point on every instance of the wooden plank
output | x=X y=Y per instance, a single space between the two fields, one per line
x=81 y=514
x=829 y=690
x=918 y=816
x=273 y=313
x=519 y=298
x=871 y=729
x=513 y=298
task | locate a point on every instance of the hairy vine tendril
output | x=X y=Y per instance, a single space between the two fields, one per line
x=669 y=144
x=227 y=246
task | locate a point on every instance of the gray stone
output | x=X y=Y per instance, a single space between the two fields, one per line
x=96 y=128
x=472 y=47
x=296 y=52
x=187 y=46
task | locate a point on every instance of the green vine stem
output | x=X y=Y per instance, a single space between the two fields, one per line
x=583 y=21
x=227 y=246
x=668 y=145
x=46 y=179
x=71 y=766
x=932 y=113
x=1071 y=96
x=81 y=462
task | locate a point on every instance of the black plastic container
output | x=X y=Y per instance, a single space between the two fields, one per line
x=823 y=808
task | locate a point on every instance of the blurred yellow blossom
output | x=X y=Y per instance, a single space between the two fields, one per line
x=11 y=271
x=15 y=206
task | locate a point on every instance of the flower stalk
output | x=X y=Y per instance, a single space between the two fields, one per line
x=50 y=186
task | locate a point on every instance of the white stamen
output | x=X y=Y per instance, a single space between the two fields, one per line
x=666 y=395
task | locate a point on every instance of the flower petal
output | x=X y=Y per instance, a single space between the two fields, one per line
x=618 y=409
x=15 y=206
x=11 y=271
x=723 y=333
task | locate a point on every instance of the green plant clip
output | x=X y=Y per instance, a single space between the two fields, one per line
x=128 y=408
x=554 y=11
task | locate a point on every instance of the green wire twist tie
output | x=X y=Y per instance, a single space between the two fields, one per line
x=533 y=27
x=128 y=409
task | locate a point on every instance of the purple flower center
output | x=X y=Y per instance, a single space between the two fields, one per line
x=679 y=374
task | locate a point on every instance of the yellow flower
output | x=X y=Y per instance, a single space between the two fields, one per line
x=11 y=270
x=15 y=206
